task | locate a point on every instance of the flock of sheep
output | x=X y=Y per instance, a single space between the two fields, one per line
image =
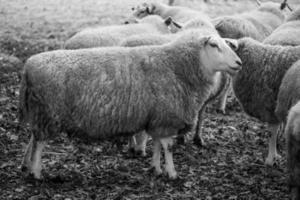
x=155 y=74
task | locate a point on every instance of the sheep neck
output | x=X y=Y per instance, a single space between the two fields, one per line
x=188 y=68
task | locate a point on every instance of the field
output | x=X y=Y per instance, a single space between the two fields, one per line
x=230 y=166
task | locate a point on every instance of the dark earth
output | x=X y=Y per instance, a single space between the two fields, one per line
x=230 y=165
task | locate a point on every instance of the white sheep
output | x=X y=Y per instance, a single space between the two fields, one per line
x=257 y=24
x=178 y=13
x=257 y=85
x=112 y=35
x=220 y=89
x=287 y=33
x=292 y=133
x=117 y=91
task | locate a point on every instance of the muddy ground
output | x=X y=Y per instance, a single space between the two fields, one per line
x=230 y=166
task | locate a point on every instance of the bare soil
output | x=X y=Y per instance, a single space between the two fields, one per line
x=230 y=166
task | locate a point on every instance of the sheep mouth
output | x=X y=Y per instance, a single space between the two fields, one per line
x=236 y=68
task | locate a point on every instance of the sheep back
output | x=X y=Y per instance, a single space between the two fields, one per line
x=286 y=34
x=256 y=86
x=145 y=40
x=114 y=34
x=257 y=24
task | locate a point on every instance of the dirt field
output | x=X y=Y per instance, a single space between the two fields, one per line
x=231 y=165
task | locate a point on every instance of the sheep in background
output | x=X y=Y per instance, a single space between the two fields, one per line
x=112 y=35
x=289 y=93
x=292 y=132
x=178 y=13
x=287 y=33
x=111 y=92
x=257 y=85
x=257 y=24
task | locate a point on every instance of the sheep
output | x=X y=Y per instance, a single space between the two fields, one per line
x=257 y=24
x=287 y=33
x=112 y=35
x=110 y=92
x=292 y=133
x=256 y=86
x=178 y=13
x=220 y=89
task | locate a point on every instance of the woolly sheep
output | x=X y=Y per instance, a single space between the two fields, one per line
x=292 y=132
x=117 y=91
x=178 y=13
x=220 y=89
x=257 y=24
x=112 y=35
x=287 y=33
x=256 y=86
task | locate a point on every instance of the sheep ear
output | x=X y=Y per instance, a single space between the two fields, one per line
x=206 y=40
x=233 y=44
x=150 y=9
x=258 y=2
x=284 y=5
x=169 y=20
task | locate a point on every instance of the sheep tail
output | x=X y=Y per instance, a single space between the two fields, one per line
x=23 y=100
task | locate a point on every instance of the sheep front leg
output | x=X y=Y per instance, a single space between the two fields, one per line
x=223 y=98
x=156 y=156
x=32 y=159
x=167 y=144
x=198 y=137
x=272 y=154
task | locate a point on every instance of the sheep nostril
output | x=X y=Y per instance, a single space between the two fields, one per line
x=126 y=22
x=238 y=62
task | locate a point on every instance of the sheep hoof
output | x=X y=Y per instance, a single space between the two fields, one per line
x=221 y=111
x=180 y=140
x=24 y=169
x=154 y=170
x=140 y=153
x=199 y=142
x=172 y=175
x=270 y=161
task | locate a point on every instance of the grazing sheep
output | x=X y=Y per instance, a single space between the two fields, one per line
x=112 y=35
x=257 y=24
x=178 y=13
x=287 y=33
x=292 y=132
x=117 y=91
x=256 y=86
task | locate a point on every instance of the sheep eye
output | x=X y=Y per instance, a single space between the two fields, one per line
x=213 y=45
x=132 y=8
x=232 y=46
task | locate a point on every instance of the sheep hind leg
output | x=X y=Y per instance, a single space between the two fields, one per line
x=272 y=154
x=27 y=159
x=156 y=156
x=141 y=143
x=167 y=144
x=32 y=158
